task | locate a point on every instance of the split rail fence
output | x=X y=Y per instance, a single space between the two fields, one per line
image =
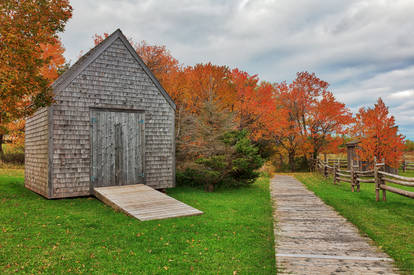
x=341 y=163
x=407 y=165
x=375 y=176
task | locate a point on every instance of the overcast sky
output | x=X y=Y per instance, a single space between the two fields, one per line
x=364 y=49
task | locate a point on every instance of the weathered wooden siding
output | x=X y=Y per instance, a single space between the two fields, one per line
x=114 y=80
x=36 y=152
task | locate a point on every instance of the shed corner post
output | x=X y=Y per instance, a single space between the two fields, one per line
x=50 y=192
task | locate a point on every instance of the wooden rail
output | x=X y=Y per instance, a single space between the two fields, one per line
x=341 y=163
x=377 y=176
x=407 y=165
x=383 y=177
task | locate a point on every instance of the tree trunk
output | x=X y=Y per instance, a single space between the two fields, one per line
x=291 y=161
x=315 y=155
x=1 y=146
x=209 y=187
x=305 y=158
x=1 y=139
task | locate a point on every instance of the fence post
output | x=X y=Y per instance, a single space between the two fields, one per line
x=334 y=173
x=352 y=177
x=376 y=180
x=325 y=169
x=317 y=165
x=358 y=184
x=404 y=165
x=384 y=194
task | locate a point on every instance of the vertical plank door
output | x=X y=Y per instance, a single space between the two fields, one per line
x=117 y=148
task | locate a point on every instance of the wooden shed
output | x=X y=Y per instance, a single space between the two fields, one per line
x=353 y=158
x=111 y=123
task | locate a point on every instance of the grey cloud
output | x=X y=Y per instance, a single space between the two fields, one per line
x=364 y=49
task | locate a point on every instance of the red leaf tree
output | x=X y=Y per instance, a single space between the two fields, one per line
x=313 y=117
x=378 y=135
x=254 y=104
x=328 y=120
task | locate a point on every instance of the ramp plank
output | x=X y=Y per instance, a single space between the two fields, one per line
x=143 y=202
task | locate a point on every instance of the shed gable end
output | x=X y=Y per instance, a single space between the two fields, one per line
x=94 y=53
x=114 y=81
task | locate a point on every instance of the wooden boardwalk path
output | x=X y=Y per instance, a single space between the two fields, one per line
x=312 y=238
x=143 y=202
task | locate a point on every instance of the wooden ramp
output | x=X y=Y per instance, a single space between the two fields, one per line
x=143 y=202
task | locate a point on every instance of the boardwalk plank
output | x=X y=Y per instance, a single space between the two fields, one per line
x=312 y=238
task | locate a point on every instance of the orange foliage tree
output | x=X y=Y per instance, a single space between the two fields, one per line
x=312 y=116
x=158 y=59
x=24 y=27
x=378 y=135
x=15 y=132
x=254 y=104
x=296 y=99
x=328 y=120
x=204 y=82
x=335 y=145
x=286 y=137
x=52 y=54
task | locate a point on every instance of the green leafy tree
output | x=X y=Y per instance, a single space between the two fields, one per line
x=210 y=152
x=236 y=166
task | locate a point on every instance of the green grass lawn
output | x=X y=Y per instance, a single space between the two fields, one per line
x=390 y=224
x=82 y=235
x=408 y=173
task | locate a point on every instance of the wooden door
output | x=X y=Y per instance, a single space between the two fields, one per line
x=117 y=148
